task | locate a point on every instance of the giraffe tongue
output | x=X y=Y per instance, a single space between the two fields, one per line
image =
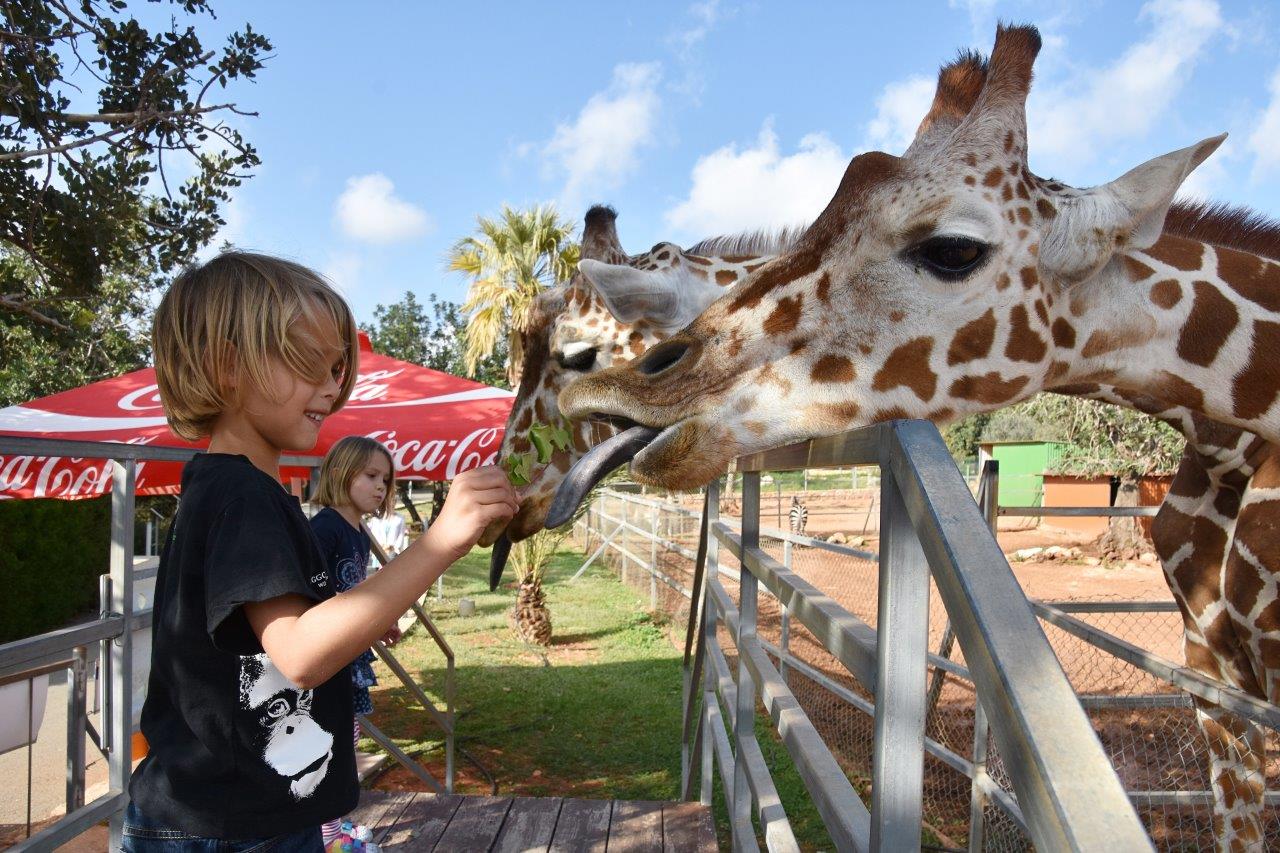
x=498 y=559
x=594 y=467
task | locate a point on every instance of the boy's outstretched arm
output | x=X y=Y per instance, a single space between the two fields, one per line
x=310 y=642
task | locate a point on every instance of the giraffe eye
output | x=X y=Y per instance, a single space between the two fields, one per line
x=950 y=258
x=579 y=360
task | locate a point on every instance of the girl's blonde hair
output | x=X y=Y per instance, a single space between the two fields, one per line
x=228 y=317
x=342 y=463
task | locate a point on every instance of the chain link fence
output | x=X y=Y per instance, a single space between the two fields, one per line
x=1123 y=658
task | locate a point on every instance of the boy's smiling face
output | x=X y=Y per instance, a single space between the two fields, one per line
x=288 y=413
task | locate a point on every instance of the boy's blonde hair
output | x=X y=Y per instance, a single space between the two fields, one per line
x=342 y=463
x=233 y=313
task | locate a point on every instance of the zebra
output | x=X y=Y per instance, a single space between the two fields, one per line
x=798 y=516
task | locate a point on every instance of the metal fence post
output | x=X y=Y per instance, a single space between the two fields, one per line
x=784 y=642
x=120 y=688
x=653 y=558
x=744 y=713
x=902 y=626
x=76 y=729
x=977 y=799
x=709 y=571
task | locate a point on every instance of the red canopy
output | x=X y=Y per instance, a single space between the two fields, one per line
x=435 y=425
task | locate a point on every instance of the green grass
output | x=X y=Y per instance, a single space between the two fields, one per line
x=595 y=715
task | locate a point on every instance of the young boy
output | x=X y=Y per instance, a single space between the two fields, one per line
x=249 y=706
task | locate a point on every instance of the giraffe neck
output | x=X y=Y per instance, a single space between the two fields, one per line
x=1193 y=324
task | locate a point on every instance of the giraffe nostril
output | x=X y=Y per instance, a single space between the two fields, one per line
x=665 y=355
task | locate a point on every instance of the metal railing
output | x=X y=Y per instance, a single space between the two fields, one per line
x=1065 y=792
x=66 y=648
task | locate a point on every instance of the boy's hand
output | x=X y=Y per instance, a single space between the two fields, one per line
x=476 y=498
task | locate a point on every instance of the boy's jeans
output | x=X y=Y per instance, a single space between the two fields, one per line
x=144 y=835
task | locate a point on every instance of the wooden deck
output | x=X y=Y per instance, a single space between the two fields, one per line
x=408 y=821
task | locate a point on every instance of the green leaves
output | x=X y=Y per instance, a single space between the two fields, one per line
x=545 y=439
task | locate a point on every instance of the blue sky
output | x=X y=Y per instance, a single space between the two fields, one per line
x=384 y=132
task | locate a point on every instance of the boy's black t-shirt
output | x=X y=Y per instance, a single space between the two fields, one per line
x=235 y=749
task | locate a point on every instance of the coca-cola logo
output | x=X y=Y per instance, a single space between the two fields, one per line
x=425 y=458
x=62 y=476
x=369 y=387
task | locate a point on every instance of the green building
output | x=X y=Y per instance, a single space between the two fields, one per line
x=1022 y=467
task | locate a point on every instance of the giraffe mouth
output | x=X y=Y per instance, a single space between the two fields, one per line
x=594 y=466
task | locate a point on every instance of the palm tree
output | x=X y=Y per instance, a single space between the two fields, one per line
x=510 y=259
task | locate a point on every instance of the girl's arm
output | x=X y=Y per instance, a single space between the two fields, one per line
x=310 y=642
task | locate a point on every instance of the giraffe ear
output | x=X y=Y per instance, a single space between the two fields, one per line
x=1126 y=214
x=664 y=298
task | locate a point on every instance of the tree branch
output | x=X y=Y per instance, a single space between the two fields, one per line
x=7 y=303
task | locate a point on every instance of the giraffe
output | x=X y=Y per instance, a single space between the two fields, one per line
x=951 y=281
x=597 y=320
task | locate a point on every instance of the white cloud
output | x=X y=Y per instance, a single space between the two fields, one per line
x=1262 y=142
x=980 y=16
x=899 y=110
x=1074 y=121
x=599 y=149
x=343 y=270
x=758 y=186
x=369 y=210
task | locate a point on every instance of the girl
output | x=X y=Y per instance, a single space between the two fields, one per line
x=355 y=481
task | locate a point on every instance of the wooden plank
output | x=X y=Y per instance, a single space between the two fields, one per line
x=378 y=809
x=529 y=825
x=421 y=823
x=636 y=827
x=583 y=827
x=475 y=824
x=688 y=828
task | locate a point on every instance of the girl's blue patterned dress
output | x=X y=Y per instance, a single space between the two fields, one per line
x=346 y=551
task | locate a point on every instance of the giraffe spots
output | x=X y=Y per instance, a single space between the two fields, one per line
x=993 y=177
x=750 y=268
x=1177 y=252
x=699 y=260
x=705 y=275
x=970 y=180
x=1256 y=386
x=1046 y=209
x=1212 y=319
x=784 y=317
x=1243 y=583
x=824 y=288
x=1025 y=196
x=974 y=339
x=1042 y=312
x=971 y=159
x=896 y=316
x=842 y=414
x=1006 y=193
x=735 y=344
x=1138 y=271
x=1167 y=293
x=1064 y=334
x=832 y=368
x=539 y=411
x=799 y=345
x=756 y=428
x=1252 y=277
x=725 y=278
x=1104 y=341
x=1003 y=281
x=941 y=416
x=989 y=388
x=1024 y=215
x=864 y=349
x=1008 y=141
x=524 y=421
x=896 y=413
x=1030 y=278
x=1009 y=215
x=635 y=342
x=616 y=350
x=908 y=366
x=1175 y=390
x=1024 y=344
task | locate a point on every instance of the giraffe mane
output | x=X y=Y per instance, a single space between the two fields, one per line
x=764 y=241
x=1227 y=225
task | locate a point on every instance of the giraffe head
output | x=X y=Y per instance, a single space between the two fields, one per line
x=944 y=282
x=611 y=311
